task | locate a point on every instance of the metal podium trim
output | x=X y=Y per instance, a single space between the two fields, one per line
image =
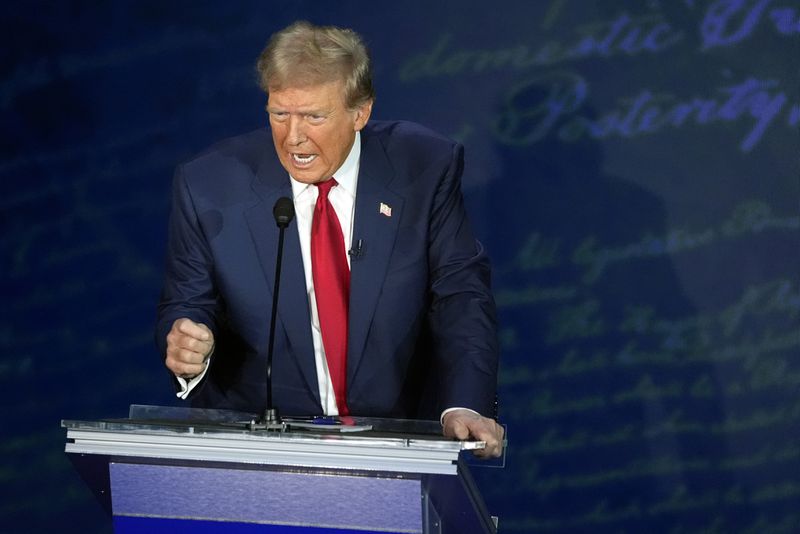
x=328 y=452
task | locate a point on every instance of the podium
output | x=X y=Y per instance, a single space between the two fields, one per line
x=206 y=471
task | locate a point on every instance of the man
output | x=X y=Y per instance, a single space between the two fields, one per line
x=402 y=326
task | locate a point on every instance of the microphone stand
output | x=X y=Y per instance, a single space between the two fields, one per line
x=270 y=415
x=271 y=419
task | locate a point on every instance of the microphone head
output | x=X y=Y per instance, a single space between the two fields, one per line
x=283 y=211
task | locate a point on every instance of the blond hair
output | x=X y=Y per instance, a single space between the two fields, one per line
x=303 y=54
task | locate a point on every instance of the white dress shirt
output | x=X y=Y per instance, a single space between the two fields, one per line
x=343 y=200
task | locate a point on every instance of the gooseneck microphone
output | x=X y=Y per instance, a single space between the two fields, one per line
x=284 y=213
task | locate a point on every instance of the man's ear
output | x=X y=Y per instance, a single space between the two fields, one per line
x=362 y=115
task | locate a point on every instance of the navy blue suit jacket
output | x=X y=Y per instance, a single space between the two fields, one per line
x=422 y=334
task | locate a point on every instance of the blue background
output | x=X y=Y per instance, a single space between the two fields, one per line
x=633 y=169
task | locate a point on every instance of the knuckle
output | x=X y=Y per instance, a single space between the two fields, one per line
x=173 y=365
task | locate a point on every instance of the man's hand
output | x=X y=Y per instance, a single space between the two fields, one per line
x=465 y=424
x=189 y=345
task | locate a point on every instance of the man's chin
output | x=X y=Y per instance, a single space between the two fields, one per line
x=306 y=175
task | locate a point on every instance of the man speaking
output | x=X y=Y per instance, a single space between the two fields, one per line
x=384 y=306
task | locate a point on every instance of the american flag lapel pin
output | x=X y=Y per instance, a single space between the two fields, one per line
x=385 y=209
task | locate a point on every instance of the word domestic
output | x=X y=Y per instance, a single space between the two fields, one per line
x=624 y=35
x=725 y=23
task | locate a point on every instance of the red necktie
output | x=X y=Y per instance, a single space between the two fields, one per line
x=332 y=289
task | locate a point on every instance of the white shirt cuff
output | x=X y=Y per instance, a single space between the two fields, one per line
x=447 y=411
x=188 y=385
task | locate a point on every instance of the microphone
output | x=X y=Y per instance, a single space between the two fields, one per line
x=284 y=213
x=358 y=250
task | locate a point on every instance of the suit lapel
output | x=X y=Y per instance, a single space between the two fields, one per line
x=377 y=232
x=270 y=184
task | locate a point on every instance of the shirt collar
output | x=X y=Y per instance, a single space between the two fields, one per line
x=346 y=176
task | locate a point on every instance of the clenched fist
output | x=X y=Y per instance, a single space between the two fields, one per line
x=189 y=345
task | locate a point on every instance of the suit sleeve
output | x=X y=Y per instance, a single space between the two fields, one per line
x=188 y=289
x=462 y=316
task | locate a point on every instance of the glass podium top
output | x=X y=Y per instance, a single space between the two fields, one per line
x=188 y=434
x=177 y=421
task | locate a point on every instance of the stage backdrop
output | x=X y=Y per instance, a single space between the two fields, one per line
x=633 y=169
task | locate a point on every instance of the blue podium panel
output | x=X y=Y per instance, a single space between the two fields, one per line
x=150 y=525
x=246 y=500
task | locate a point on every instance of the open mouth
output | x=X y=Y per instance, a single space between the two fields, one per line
x=303 y=159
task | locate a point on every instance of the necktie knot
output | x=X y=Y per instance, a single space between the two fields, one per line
x=326 y=186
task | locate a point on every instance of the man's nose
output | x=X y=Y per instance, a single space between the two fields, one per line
x=296 y=130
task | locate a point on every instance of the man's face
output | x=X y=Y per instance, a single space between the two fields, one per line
x=313 y=130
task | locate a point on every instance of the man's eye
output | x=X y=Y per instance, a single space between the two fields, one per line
x=279 y=115
x=315 y=119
